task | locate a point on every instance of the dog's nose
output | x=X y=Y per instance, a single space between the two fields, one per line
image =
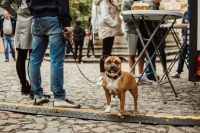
x=112 y=66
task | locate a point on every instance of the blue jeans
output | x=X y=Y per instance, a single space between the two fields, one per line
x=47 y=30
x=149 y=72
x=181 y=60
x=8 y=40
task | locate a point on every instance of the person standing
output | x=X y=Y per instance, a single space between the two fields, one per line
x=7 y=28
x=90 y=43
x=47 y=28
x=181 y=60
x=154 y=5
x=109 y=27
x=78 y=37
x=23 y=40
x=131 y=37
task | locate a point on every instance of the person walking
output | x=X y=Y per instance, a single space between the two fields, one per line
x=78 y=37
x=182 y=58
x=109 y=27
x=7 y=28
x=131 y=37
x=47 y=28
x=23 y=40
x=90 y=43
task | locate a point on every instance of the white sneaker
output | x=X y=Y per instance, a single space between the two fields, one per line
x=100 y=80
x=92 y=57
x=144 y=80
x=84 y=57
x=175 y=75
x=66 y=104
x=43 y=99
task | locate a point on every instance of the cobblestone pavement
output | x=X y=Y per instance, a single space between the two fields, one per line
x=91 y=96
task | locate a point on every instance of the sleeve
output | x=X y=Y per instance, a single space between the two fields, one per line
x=6 y=4
x=127 y=7
x=105 y=14
x=83 y=32
x=183 y=31
x=90 y=29
x=152 y=7
x=63 y=10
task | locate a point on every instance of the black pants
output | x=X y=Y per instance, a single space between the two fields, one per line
x=78 y=43
x=20 y=65
x=106 y=50
x=90 y=44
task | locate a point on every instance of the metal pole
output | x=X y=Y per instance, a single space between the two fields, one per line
x=144 y=50
x=149 y=32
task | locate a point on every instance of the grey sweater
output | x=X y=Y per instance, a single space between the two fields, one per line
x=129 y=25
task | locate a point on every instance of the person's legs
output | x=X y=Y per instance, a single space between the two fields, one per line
x=181 y=61
x=6 y=48
x=57 y=59
x=162 y=52
x=92 y=46
x=132 y=40
x=76 y=49
x=88 y=50
x=40 y=43
x=12 y=47
x=106 y=49
x=20 y=66
x=80 y=51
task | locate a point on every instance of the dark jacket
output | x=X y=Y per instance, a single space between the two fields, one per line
x=78 y=33
x=13 y=22
x=51 y=8
x=184 y=31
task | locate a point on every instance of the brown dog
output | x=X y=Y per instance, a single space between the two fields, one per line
x=117 y=83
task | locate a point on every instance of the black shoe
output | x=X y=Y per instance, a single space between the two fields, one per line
x=153 y=78
x=26 y=89
x=31 y=95
x=43 y=99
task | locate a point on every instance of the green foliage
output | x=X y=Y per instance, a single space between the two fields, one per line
x=80 y=9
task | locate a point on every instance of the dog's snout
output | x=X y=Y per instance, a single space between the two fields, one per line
x=112 y=66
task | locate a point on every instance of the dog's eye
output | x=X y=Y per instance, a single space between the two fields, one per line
x=116 y=62
x=108 y=62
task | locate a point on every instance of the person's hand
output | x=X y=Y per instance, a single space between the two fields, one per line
x=69 y=30
x=184 y=37
x=90 y=37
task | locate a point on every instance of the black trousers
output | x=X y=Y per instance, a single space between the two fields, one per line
x=21 y=63
x=90 y=44
x=106 y=50
x=80 y=44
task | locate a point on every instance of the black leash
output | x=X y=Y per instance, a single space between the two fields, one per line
x=70 y=42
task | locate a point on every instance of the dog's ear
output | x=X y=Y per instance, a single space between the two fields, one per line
x=122 y=59
x=104 y=57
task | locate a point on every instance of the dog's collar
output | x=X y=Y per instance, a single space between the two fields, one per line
x=114 y=77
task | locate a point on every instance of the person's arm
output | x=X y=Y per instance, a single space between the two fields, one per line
x=152 y=7
x=104 y=6
x=126 y=7
x=63 y=10
x=183 y=31
x=7 y=5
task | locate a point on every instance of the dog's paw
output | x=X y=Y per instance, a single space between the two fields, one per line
x=108 y=109
x=135 y=112
x=119 y=114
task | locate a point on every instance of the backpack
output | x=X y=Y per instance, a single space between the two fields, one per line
x=198 y=66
